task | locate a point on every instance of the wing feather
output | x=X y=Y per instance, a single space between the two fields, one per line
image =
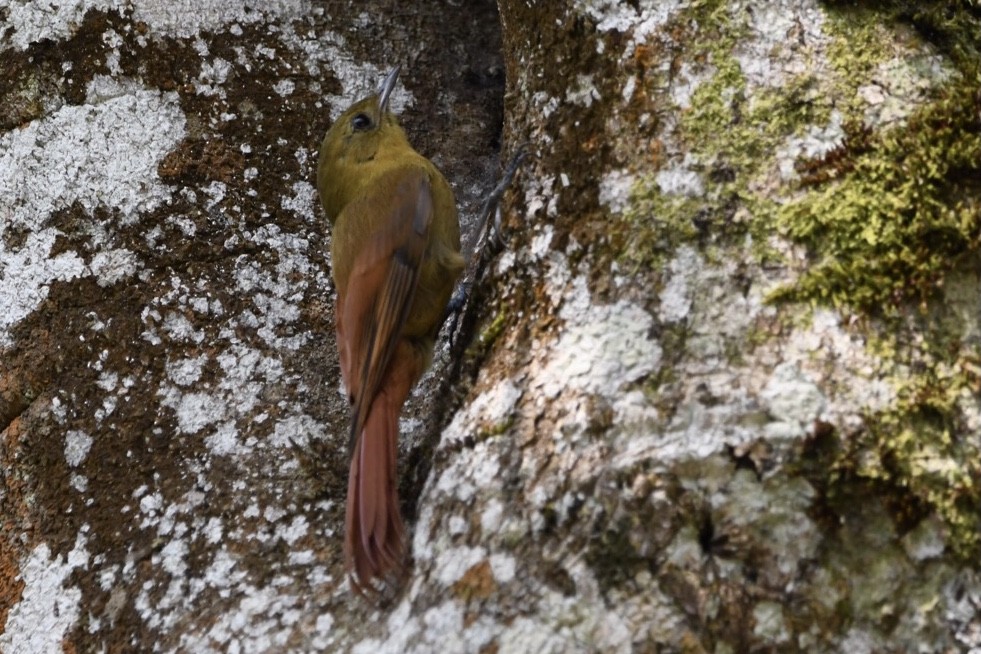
x=400 y=248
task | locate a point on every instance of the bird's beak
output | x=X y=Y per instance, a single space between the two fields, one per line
x=385 y=91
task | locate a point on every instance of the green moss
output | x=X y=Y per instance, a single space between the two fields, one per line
x=731 y=140
x=919 y=455
x=916 y=452
x=905 y=208
x=860 y=43
x=496 y=429
x=887 y=218
x=887 y=234
x=657 y=224
x=486 y=339
x=913 y=457
x=951 y=25
x=890 y=214
x=489 y=335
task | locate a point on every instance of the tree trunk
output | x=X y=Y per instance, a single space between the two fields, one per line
x=716 y=386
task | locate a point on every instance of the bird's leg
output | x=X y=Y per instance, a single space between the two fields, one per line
x=492 y=204
x=488 y=237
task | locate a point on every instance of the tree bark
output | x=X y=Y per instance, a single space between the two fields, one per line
x=715 y=387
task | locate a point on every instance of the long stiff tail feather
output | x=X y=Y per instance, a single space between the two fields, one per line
x=374 y=543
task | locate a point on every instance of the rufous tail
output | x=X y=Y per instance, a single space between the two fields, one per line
x=374 y=543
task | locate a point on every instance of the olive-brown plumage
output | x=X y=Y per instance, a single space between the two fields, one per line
x=395 y=257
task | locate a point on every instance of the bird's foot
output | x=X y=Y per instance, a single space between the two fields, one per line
x=488 y=241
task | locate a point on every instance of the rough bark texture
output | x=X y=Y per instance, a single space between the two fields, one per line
x=173 y=459
x=718 y=393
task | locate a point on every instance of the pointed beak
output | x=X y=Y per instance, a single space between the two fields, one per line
x=385 y=91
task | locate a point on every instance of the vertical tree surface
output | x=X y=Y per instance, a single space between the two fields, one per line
x=716 y=387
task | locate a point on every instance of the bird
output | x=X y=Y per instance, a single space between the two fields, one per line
x=395 y=259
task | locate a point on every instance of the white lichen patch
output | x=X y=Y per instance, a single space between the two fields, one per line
x=775 y=513
x=600 y=349
x=962 y=600
x=302 y=201
x=27 y=273
x=100 y=156
x=244 y=374
x=583 y=92
x=274 y=292
x=638 y=20
x=777 y=392
x=503 y=567
x=825 y=340
x=113 y=266
x=772 y=53
x=793 y=399
x=492 y=516
x=77 y=444
x=195 y=411
x=257 y=616
x=213 y=75
x=540 y=243
x=560 y=624
x=814 y=143
x=718 y=404
x=452 y=563
x=614 y=190
x=902 y=84
x=476 y=469
x=770 y=624
x=548 y=622
x=185 y=372
x=547 y=105
x=358 y=79
x=185 y=18
x=284 y=87
x=685 y=81
x=47 y=608
x=179 y=328
x=487 y=412
x=30 y=22
x=542 y=194
x=296 y=430
x=676 y=296
x=679 y=180
x=78 y=482
x=295 y=530
x=926 y=541
x=257 y=620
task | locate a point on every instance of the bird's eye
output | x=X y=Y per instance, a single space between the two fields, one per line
x=361 y=122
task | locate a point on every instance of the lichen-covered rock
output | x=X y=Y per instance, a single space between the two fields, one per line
x=718 y=393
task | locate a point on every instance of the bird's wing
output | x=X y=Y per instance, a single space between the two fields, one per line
x=383 y=282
